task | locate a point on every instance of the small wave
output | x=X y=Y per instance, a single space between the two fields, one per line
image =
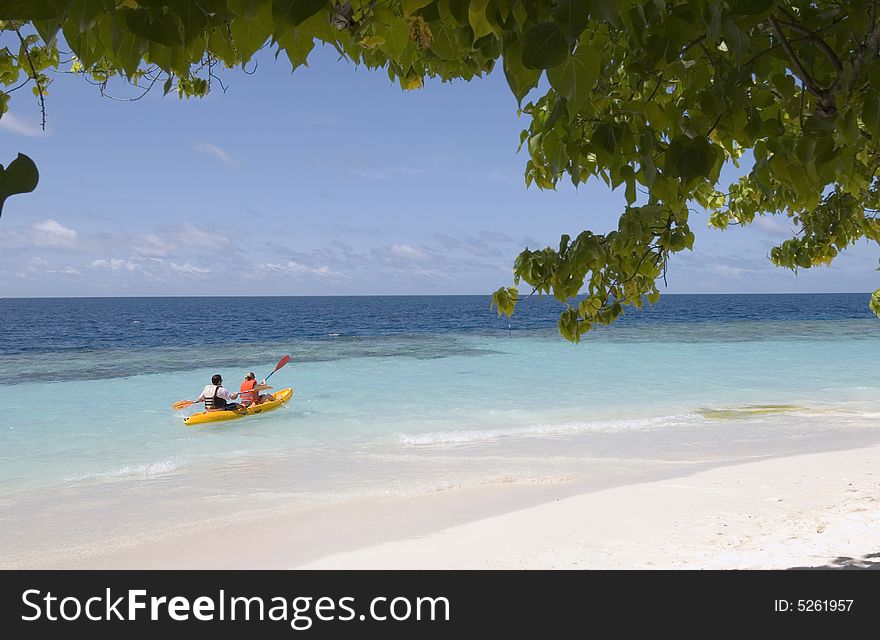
x=151 y=470
x=483 y=435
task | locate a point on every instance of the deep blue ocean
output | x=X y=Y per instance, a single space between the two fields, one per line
x=32 y=328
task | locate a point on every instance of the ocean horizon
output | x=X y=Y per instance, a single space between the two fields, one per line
x=397 y=396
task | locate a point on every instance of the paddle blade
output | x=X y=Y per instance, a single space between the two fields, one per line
x=182 y=404
x=280 y=364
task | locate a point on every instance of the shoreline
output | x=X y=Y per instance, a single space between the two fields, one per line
x=802 y=510
x=819 y=510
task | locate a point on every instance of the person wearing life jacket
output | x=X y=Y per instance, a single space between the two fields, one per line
x=216 y=398
x=250 y=391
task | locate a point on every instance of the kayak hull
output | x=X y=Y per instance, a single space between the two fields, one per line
x=208 y=417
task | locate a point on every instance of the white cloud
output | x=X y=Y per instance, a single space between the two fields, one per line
x=15 y=125
x=193 y=236
x=495 y=236
x=50 y=233
x=728 y=271
x=115 y=264
x=186 y=267
x=406 y=251
x=298 y=268
x=67 y=271
x=475 y=246
x=149 y=245
x=771 y=225
x=38 y=265
x=217 y=152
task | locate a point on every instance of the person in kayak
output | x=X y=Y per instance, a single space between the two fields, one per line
x=250 y=391
x=216 y=398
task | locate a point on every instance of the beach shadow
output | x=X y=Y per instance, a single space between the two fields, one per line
x=869 y=561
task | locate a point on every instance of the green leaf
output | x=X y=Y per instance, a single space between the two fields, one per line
x=447 y=42
x=411 y=6
x=607 y=10
x=477 y=18
x=21 y=176
x=871 y=115
x=161 y=26
x=290 y=13
x=297 y=45
x=454 y=12
x=875 y=302
x=568 y=325
x=544 y=46
x=520 y=78
x=576 y=77
x=220 y=44
x=606 y=137
x=520 y=13
x=736 y=39
x=129 y=53
x=572 y=16
x=244 y=8
x=48 y=29
x=847 y=127
x=83 y=13
x=396 y=34
x=504 y=300
x=629 y=178
x=248 y=37
x=751 y=7
x=690 y=158
x=31 y=9
x=191 y=17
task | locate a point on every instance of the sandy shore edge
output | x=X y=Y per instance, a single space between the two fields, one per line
x=812 y=510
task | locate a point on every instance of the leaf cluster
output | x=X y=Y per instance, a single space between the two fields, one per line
x=651 y=96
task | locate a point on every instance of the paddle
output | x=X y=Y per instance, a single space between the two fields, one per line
x=280 y=364
x=182 y=404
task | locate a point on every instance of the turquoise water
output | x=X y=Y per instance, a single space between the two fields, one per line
x=91 y=453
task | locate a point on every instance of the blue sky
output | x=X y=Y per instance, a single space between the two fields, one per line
x=327 y=181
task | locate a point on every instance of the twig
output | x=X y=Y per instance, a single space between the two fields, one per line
x=103 y=86
x=814 y=37
x=799 y=67
x=27 y=53
x=691 y=44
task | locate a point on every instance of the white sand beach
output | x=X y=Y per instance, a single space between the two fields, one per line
x=817 y=510
x=813 y=510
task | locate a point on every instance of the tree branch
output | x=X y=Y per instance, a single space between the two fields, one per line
x=814 y=37
x=690 y=44
x=866 y=51
x=799 y=67
x=27 y=53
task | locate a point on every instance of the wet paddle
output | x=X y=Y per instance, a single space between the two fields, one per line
x=182 y=404
x=280 y=364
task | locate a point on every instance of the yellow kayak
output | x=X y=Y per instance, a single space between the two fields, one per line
x=205 y=417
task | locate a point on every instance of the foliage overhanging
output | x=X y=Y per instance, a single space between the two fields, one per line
x=651 y=95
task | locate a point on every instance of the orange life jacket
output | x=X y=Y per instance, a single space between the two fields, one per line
x=247 y=393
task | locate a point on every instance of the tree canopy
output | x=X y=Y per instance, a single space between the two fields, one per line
x=651 y=95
